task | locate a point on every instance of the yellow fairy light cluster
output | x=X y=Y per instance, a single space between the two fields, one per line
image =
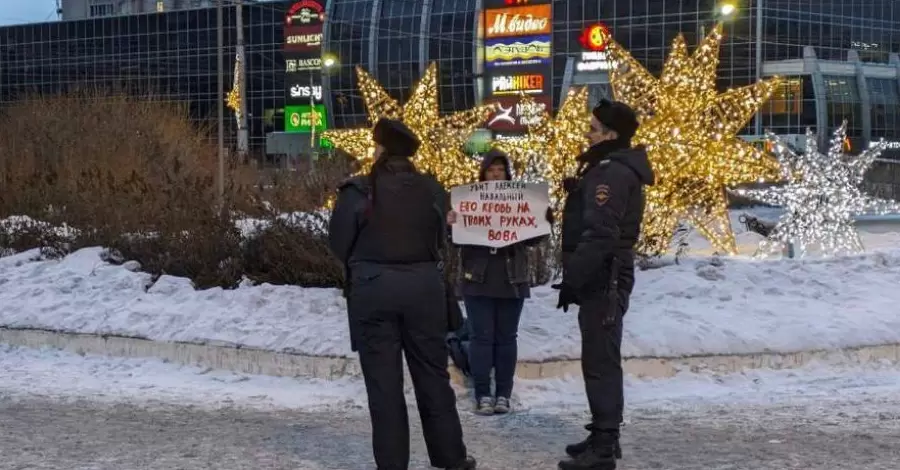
x=441 y=152
x=690 y=132
x=233 y=99
x=551 y=144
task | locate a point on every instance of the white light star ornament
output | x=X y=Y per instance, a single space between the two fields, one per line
x=820 y=199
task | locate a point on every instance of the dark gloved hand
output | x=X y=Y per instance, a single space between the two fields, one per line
x=611 y=314
x=569 y=184
x=566 y=296
x=550 y=217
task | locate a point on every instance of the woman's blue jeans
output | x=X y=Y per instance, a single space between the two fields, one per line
x=494 y=327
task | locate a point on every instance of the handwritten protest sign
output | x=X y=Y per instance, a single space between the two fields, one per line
x=499 y=213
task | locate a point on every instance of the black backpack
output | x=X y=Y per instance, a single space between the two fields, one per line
x=458 y=343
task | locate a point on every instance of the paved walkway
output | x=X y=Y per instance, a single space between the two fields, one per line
x=55 y=433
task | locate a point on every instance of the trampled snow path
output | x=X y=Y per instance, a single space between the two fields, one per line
x=62 y=411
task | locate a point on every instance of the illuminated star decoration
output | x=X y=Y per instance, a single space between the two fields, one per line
x=820 y=199
x=548 y=151
x=441 y=152
x=690 y=132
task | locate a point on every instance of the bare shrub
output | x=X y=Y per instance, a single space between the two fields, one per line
x=132 y=174
x=291 y=246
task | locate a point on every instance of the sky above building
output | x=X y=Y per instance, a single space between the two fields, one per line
x=26 y=11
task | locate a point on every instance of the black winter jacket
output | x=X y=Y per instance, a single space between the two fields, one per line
x=603 y=214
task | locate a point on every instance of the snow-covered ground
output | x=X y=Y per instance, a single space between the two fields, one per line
x=701 y=306
x=30 y=372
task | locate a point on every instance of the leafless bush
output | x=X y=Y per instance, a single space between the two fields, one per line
x=128 y=173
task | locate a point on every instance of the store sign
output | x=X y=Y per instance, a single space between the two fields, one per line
x=890 y=144
x=297 y=65
x=533 y=50
x=303 y=118
x=303 y=39
x=514 y=115
x=594 y=40
x=305 y=13
x=510 y=3
x=593 y=61
x=518 y=21
x=306 y=92
x=515 y=84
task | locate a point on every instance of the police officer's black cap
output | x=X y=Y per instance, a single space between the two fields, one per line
x=397 y=139
x=617 y=116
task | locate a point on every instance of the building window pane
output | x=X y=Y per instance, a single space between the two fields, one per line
x=843 y=103
x=884 y=97
x=398 y=46
x=792 y=107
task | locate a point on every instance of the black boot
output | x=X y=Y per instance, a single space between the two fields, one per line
x=467 y=464
x=574 y=450
x=599 y=455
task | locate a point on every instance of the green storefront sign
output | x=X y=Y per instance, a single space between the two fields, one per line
x=479 y=142
x=302 y=118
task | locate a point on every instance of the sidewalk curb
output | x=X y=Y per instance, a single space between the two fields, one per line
x=261 y=362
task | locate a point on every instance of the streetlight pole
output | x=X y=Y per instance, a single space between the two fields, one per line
x=313 y=120
x=759 y=58
x=243 y=133
x=220 y=97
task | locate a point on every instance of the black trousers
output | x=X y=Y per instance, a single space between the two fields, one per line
x=402 y=313
x=601 y=361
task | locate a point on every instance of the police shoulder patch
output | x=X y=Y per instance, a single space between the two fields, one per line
x=601 y=194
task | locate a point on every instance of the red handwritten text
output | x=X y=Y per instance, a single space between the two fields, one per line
x=518 y=221
x=476 y=220
x=503 y=235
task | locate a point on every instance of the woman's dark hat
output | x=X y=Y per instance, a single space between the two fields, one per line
x=397 y=139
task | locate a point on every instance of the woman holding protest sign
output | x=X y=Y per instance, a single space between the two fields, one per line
x=494 y=284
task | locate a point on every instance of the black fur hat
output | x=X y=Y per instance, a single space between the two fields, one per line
x=617 y=116
x=397 y=139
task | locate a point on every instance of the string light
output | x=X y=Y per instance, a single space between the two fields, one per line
x=547 y=152
x=821 y=197
x=441 y=152
x=690 y=132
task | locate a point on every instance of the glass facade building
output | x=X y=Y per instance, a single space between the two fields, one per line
x=839 y=57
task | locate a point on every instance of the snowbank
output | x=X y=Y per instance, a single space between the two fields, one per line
x=699 y=307
x=30 y=372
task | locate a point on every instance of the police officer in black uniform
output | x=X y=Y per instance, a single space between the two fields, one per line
x=388 y=228
x=602 y=219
